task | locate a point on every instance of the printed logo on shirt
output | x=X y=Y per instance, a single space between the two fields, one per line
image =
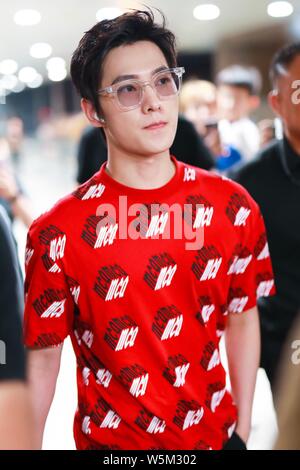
x=237 y=300
x=47 y=339
x=99 y=231
x=152 y=220
x=265 y=283
x=189 y=174
x=51 y=304
x=160 y=271
x=105 y=417
x=90 y=190
x=261 y=250
x=239 y=261
x=198 y=211
x=28 y=254
x=206 y=310
x=167 y=322
x=92 y=363
x=74 y=288
x=111 y=282
x=207 y=263
x=210 y=356
x=54 y=241
x=150 y=423
x=135 y=378
x=83 y=333
x=188 y=413
x=214 y=395
x=86 y=425
x=176 y=370
x=121 y=333
x=238 y=210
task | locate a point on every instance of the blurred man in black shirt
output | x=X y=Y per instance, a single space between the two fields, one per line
x=273 y=180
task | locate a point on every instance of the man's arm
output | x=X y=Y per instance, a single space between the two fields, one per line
x=43 y=369
x=242 y=340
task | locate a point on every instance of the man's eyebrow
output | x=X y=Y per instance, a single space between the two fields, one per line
x=121 y=78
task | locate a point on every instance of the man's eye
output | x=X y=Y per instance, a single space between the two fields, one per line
x=164 y=80
x=127 y=89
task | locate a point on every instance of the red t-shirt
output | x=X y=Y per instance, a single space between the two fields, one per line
x=145 y=313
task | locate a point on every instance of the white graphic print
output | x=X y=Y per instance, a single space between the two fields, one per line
x=238 y=304
x=203 y=217
x=173 y=327
x=75 y=291
x=85 y=375
x=117 y=288
x=106 y=236
x=241 y=216
x=111 y=420
x=103 y=377
x=127 y=338
x=156 y=425
x=86 y=425
x=211 y=269
x=55 y=310
x=206 y=312
x=165 y=277
x=28 y=255
x=57 y=248
x=217 y=398
x=139 y=385
x=94 y=191
x=264 y=288
x=157 y=225
x=189 y=174
x=264 y=253
x=88 y=338
x=214 y=361
x=55 y=268
x=180 y=374
x=193 y=417
x=239 y=265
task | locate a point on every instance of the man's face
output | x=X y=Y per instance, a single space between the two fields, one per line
x=286 y=102
x=233 y=102
x=126 y=129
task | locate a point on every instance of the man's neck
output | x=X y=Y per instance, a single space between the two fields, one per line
x=141 y=172
x=294 y=141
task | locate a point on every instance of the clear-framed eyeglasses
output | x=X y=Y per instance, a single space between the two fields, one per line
x=128 y=94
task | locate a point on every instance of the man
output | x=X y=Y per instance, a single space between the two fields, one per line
x=144 y=309
x=15 y=411
x=237 y=97
x=273 y=179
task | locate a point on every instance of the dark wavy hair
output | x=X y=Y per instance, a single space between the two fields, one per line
x=136 y=25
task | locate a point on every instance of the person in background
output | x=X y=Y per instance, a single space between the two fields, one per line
x=267 y=131
x=16 y=420
x=12 y=196
x=198 y=103
x=238 y=89
x=273 y=180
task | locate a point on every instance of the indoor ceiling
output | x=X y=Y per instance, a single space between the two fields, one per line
x=64 y=22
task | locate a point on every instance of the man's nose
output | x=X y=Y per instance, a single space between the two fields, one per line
x=150 y=99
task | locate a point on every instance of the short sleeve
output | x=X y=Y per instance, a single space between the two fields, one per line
x=250 y=266
x=49 y=307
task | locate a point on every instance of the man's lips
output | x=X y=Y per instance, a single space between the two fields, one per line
x=156 y=125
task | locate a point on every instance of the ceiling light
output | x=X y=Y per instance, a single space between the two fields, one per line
x=9 y=81
x=8 y=66
x=280 y=9
x=206 y=12
x=37 y=82
x=56 y=63
x=27 y=74
x=57 y=75
x=108 y=13
x=27 y=17
x=40 y=50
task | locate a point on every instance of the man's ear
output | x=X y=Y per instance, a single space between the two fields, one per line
x=273 y=101
x=91 y=114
